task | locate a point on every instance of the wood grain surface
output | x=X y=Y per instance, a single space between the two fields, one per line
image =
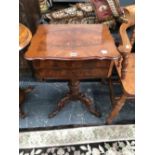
x=25 y=36
x=72 y=42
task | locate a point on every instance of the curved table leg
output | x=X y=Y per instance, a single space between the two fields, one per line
x=61 y=104
x=116 y=109
x=74 y=94
x=87 y=101
x=22 y=97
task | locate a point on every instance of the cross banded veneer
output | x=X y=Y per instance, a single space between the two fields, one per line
x=73 y=53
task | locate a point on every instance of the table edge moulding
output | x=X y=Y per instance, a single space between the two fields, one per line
x=106 y=44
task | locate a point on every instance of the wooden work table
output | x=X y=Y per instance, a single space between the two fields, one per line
x=73 y=53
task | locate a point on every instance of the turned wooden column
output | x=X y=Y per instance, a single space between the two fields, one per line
x=124 y=65
x=74 y=86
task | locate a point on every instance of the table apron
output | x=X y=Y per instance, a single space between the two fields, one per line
x=77 y=70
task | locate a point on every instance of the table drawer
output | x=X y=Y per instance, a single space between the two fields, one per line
x=48 y=64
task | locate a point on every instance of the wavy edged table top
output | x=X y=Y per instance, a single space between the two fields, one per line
x=25 y=36
x=72 y=42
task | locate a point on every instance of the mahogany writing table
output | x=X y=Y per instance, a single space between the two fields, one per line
x=73 y=53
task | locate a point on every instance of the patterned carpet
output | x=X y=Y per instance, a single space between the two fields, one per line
x=97 y=140
x=107 y=148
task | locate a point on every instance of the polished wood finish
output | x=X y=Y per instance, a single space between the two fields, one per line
x=74 y=94
x=25 y=36
x=72 y=42
x=81 y=69
x=73 y=53
x=128 y=85
x=129 y=81
x=126 y=44
x=125 y=67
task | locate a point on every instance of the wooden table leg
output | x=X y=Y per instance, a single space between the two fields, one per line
x=116 y=109
x=111 y=92
x=74 y=94
x=22 y=97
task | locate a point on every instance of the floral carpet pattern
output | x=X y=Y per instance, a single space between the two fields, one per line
x=105 y=148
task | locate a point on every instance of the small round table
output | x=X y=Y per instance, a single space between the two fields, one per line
x=25 y=37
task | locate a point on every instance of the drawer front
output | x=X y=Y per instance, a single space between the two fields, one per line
x=48 y=64
x=66 y=74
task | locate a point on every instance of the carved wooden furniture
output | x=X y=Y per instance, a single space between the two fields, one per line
x=73 y=53
x=25 y=37
x=125 y=66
